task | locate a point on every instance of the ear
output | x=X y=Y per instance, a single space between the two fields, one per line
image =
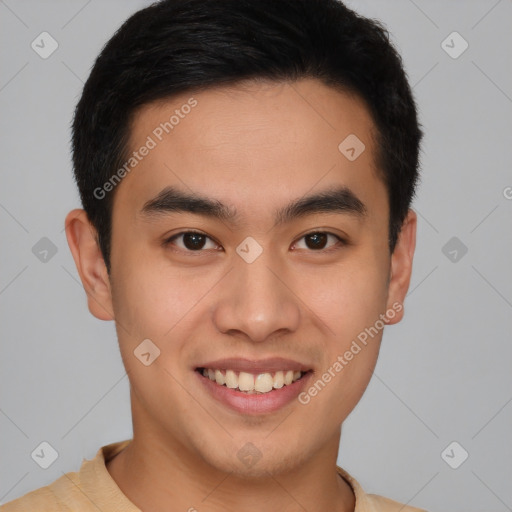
x=401 y=266
x=82 y=240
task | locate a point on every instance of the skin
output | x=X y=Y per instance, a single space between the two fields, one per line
x=255 y=147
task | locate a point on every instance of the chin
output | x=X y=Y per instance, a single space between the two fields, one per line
x=253 y=460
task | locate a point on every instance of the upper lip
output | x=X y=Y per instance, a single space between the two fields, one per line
x=273 y=364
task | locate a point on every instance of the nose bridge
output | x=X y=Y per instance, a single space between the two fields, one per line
x=254 y=300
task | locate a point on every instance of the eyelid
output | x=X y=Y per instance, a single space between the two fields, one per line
x=341 y=240
x=170 y=239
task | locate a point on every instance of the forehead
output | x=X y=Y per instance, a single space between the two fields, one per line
x=253 y=144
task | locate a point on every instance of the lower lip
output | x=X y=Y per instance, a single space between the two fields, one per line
x=255 y=403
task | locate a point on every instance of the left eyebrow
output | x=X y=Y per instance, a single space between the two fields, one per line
x=333 y=200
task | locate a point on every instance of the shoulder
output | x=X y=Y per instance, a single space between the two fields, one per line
x=44 y=499
x=86 y=490
x=371 y=502
x=382 y=504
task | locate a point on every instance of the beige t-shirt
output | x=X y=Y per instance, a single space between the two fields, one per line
x=92 y=489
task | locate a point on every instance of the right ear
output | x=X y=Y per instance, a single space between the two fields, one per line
x=82 y=240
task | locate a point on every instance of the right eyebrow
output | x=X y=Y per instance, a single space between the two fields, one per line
x=171 y=199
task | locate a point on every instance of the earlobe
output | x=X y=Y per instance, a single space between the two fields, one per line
x=401 y=266
x=81 y=237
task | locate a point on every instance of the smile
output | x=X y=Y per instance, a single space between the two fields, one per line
x=250 y=383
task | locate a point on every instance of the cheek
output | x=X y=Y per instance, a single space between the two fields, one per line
x=350 y=300
x=138 y=306
x=149 y=298
x=348 y=297
x=350 y=358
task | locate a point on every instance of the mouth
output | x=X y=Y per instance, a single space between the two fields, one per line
x=250 y=383
x=253 y=387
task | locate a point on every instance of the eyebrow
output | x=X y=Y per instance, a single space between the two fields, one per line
x=334 y=200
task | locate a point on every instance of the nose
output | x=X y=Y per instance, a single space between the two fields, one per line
x=257 y=300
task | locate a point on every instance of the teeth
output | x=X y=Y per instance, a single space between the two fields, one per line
x=231 y=379
x=219 y=377
x=249 y=383
x=246 y=382
x=279 y=380
x=263 y=383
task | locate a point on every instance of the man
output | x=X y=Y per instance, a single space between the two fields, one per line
x=246 y=170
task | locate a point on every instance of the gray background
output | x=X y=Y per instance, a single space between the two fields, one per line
x=444 y=373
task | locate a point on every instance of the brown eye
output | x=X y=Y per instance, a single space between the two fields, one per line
x=190 y=241
x=318 y=241
x=194 y=241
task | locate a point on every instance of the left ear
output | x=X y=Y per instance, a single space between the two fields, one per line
x=401 y=266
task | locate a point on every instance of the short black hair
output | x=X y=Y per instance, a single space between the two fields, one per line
x=175 y=46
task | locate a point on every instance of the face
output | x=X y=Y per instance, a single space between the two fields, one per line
x=253 y=275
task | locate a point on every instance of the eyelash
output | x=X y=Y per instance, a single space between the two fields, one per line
x=334 y=248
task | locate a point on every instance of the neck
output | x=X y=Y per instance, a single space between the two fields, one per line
x=154 y=471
